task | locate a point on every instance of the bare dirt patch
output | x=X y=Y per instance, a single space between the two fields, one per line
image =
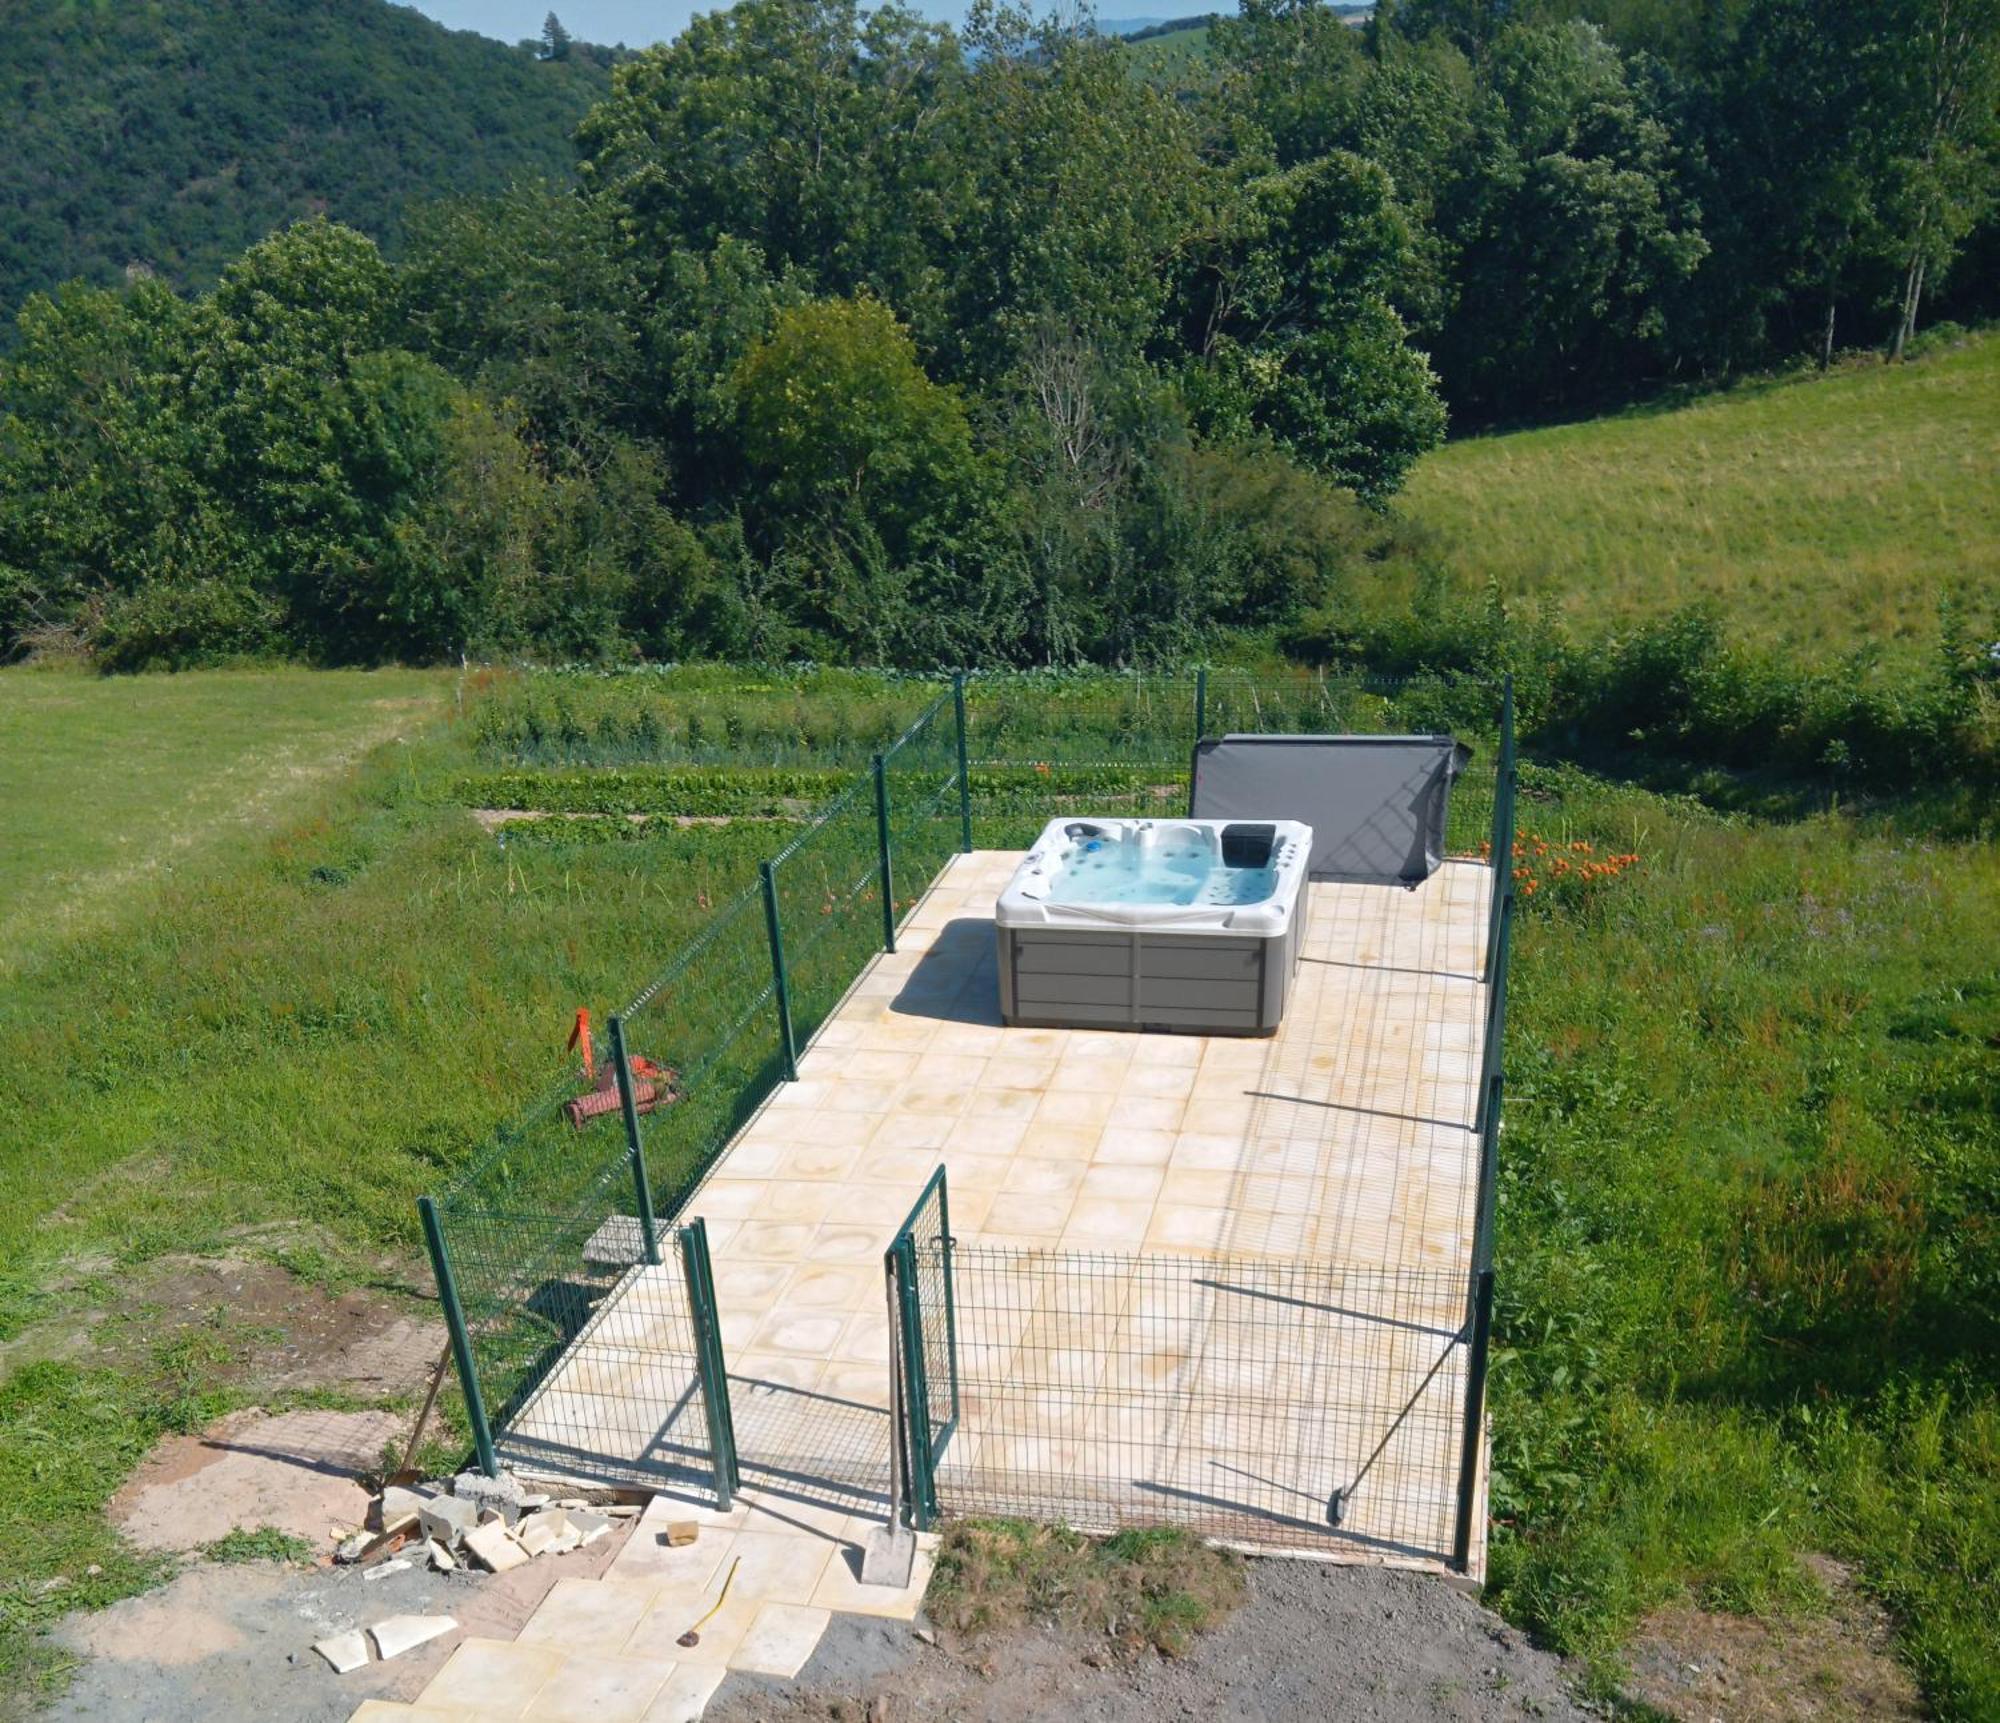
x=1696 y=1665
x=260 y=1326
x=298 y=1472
x=1311 y=1644
x=234 y=1644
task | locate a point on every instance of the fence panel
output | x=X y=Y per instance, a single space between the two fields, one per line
x=920 y=1269
x=1050 y=745
x=921 y=792
x=707 y=1023
x=1254 y=1401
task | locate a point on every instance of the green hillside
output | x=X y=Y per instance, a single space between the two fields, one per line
x=1821 y=513
x=170 y=135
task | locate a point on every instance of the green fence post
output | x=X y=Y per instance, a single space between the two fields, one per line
x=916 y=1382
x=787 y=1047
x=1500 y=846
x=708 y=1361
x=964 y=773
x=1473 y=1436
x=882 y=857
x=628 y=1104
x=461 y=1339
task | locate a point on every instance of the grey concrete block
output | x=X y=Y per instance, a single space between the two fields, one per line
x=448 y=1519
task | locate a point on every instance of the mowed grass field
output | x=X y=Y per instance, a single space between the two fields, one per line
x=110 y=787
x=1819 y=513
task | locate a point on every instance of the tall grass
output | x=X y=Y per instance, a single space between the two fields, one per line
x=1750 y=1278
x=1821 y=514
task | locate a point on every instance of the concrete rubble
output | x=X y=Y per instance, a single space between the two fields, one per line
x=344 y=1651
x=401 y=1633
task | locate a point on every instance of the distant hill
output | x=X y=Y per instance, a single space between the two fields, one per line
x=1818 y=513
x=169 y=134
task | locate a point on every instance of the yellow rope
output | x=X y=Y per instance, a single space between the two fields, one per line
x=722 y=1597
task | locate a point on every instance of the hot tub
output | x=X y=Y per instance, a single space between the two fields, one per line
x=1190 y=925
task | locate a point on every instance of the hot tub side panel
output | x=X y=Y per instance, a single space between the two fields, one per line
x=1105 y=978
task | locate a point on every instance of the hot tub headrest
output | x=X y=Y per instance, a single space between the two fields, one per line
x=1376 y=804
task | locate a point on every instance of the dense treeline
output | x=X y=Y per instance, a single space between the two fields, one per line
x=859 y=339
x=168 y=136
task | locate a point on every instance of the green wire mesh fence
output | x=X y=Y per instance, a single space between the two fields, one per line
x=537 y=1234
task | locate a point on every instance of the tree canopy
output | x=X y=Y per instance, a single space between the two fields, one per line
x=854 y=337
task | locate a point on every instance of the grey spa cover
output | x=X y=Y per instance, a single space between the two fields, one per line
x=1376 y=804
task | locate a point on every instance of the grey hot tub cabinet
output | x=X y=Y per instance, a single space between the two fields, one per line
x=1118 y=972
x=1202 y=984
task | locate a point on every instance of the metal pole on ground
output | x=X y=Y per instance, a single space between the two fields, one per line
x=787 y=1048
x=461 y=1339
x=882 y=857
x=890 y=1555
x=628 y=1104
x=1474 y=1435
x=964 y=775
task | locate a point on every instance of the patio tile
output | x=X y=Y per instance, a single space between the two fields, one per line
x=1044 y=1178
x=780 y=1639
x=1033 y=1216
x=491 y=1678
x=580 y=1615
x=596 y=1688
x=685 y=1695
x=1107 y=1222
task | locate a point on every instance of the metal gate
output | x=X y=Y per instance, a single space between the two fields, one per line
x=924 y=1336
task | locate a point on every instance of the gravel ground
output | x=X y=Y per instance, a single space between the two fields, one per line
x=1311 y=1642
x=223 y=1644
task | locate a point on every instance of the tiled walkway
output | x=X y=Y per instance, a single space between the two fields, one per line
x=1345 y=1142
x=607 y=1650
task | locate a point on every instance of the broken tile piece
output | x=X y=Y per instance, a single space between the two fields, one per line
x=679 y=1533
x=401 y=1633
x=547 y=1533
x=440 y=1558
x=380 y=1568
x=344 y=1651
x=589 y=1527
x=493 y=1547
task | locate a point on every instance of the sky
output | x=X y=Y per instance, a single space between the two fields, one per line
x=638 y=23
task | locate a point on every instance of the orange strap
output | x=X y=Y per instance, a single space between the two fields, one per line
x=579 y=1037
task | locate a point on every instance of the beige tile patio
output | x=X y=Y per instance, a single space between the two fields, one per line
x=1345 y=1138
x=492 y=1678
x=685 y=1695
x=595 y=1688
x=780 y=1639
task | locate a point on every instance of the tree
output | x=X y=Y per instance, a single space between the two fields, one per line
x=804 y=127
x=1576 y=237
x=1294 y=335
x=1082 y=185
x=845 y=429
x=555 y=39
x=1942 y=174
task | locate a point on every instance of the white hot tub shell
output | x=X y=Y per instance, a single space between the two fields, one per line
x=1188 y=925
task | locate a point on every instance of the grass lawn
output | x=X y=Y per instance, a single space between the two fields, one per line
x=1748 y=1261
x=110 y=786
x=1749 y=1269
x=1823 y=513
